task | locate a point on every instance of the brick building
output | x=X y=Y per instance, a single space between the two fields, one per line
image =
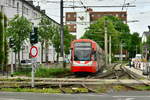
x=79 y=21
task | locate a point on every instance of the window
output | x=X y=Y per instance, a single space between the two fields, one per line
x=92 y=15
x=68 y=16
x=82 y=54
x=35 y=14
x=9 y=2
x=13 y=3
x=117 y=15
x=17 y=7
x=74 y=15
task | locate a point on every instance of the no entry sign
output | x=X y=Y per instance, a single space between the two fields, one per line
x=33 y=51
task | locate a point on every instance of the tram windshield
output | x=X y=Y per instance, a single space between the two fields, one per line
x=82 y=54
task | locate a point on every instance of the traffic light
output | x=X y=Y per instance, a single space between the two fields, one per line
x=34 y=36
x=11 y=42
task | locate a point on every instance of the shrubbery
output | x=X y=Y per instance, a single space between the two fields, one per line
x=44 y=72
x=51 y=72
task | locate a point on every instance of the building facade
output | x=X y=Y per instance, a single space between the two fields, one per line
x=78 y=22
x=33 y=13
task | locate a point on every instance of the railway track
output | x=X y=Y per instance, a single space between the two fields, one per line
x=132 y=76
x=111 y=77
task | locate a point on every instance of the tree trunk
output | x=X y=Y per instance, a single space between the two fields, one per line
x=15 y=61
x=46 y=47
x=42 y=47
x=19 y=58
x=57 y=57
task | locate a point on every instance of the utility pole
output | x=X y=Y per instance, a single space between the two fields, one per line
x=109 y=49
x=62 y=31
x=121 y=55
x=106 y=49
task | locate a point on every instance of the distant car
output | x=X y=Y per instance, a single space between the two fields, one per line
x=26 y=62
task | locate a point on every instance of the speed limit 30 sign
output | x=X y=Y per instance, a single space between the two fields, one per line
x=33 y=51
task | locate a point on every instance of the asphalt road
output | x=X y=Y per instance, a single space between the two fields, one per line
x=128 y=95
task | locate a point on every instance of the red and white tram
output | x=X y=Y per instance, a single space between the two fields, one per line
x=86 y=56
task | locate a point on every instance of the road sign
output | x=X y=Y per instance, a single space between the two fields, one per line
x=33 y=51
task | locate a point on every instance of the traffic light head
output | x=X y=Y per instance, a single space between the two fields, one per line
x=34 y=36
x=11 y=42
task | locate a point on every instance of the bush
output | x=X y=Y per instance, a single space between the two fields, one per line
x=51 y=72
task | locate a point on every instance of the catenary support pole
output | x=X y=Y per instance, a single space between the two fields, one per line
x=109 y=49
x=62 y=32
x=106 y=47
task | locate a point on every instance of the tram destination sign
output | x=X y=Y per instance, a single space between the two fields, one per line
x=82 y=44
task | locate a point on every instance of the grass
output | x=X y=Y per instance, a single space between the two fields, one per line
x=43 y=72
x=143 y=88
x=51 y=72
x=99 y=89
x=49 y=90
x=45 y=90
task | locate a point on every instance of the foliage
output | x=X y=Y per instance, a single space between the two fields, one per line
x=135 y=44
x=45 y=30
x=26 y=71
x=51 y=72
x=1 y=39
x=19 y=29
x=6 y=48
x=96 y=31
x=119 y=32
x=42 y=71
x=3 y=43
x=67 y=40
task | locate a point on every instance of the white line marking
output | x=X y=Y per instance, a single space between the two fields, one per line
x=130 y=96
x=10 y=99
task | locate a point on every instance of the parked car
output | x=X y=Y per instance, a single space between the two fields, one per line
x=26 y=62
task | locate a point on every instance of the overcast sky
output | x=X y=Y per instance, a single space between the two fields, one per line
x=141 y=12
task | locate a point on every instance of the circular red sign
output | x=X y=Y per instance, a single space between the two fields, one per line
x=33 y=51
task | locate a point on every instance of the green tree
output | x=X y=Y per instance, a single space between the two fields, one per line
x=67 y=40
x=135 y=44
x=6 y=48
x=96 y=31
x=19 y=29
x=119 y=32
x=1 y=40
x=57 y=41
x=45 y=32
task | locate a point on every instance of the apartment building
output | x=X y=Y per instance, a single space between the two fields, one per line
x=33 y=13
x=79 y=21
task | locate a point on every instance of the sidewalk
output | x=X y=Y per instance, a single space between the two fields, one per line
x=136 y=71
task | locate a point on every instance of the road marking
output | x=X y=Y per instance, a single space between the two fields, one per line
x=10 y=99
x=130 y=96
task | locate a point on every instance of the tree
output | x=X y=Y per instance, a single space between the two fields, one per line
x=96 y=31
x=67 y=40
x=1 y=40
x=57 y=41
x=45 y=34
x=135 y=44
x=6 y=48
x=19 y=29
x=119 y=32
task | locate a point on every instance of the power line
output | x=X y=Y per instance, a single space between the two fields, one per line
x=100 y=6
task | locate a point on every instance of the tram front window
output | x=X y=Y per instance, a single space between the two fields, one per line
x=82 y=54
